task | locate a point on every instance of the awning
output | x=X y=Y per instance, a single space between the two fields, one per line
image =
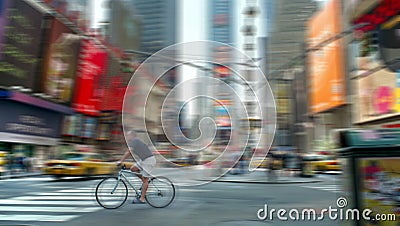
x=34 y=101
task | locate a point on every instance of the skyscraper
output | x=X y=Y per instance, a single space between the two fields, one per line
x=221 y=24
x=286 y=38
x=158 y=18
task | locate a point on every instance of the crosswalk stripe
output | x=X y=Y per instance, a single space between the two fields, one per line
x=48 y=205
x=62 y=193
x=41 y=202
x=78 y=190
x=322 y=187
x=331 y=188
x=54 y=209
x=197 y=190
x=53 y=198
x=23 y=217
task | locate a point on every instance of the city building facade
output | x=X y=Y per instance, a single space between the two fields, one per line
x=286 y=36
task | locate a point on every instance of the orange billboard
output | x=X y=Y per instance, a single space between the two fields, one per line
x=326 y=65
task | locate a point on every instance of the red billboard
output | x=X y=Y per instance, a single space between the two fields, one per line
x=114 y=86
x=91 y=69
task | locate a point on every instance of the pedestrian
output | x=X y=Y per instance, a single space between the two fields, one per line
x=145 y=164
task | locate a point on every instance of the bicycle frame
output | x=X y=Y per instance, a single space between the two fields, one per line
x=121 y=176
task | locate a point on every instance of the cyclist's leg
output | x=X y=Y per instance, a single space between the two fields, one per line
x=145 y=181
x=145 y=185
x=137 y=169
x=147 y=166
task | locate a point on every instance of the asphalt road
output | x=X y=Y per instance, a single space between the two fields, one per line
x=46 y=201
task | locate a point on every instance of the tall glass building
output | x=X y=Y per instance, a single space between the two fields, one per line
x=286 y=40
x=221 y=24
x=158 y=20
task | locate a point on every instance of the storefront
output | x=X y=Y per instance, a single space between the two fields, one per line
x=30 y=128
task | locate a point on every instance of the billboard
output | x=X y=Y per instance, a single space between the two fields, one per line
x=69 y=125
x=380 y=186
x=91 y=69
x=20 y=43
x=89 y=128
x=27 y=120
x=377 y=91
x=326 y=71
x=60 y=62
x=374 y=13
x=114 y=86
x=377 y=96
x=4 y=5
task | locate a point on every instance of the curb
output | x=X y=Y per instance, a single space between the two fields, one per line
x=265 y=181
x=269 y=182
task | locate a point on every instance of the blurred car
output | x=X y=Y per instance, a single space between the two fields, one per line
x=182 y=161
x=79 y=164
x=312 y=163
x=3 y=161
x=327 y=163
x=260 y=162
x=308 y=163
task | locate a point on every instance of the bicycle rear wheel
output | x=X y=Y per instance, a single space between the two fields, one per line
x=160 y=193
x=111 y=193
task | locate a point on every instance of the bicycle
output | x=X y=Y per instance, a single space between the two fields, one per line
x=112 y=192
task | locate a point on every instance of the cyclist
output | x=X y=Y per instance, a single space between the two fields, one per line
x=146 y=161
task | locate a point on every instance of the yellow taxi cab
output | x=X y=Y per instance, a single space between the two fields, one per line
x=3 y=161
x=260 y=162
x=79 y=164
x=327 y=163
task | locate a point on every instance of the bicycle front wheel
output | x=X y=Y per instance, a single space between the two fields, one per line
x=111 y=193
x=160 y=193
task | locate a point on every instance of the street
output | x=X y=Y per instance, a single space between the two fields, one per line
x=45 y=201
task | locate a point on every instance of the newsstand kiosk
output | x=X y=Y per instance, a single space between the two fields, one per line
x=371 y=171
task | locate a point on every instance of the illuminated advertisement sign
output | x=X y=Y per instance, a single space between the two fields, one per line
x=28 y=120
x=92 y=68
x=326 y=73
x=378 y=91
x=380 y=186
x=60 y=62
x=377 y=96
x=384 y=11
x=222 y=117
x=69 y=125
x=4 y=5
x=61 y=68
x=114 y=87
x=89 y=127
x=20 y=38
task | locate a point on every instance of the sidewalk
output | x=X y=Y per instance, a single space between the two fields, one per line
x=262 y=177
x=258 y=176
